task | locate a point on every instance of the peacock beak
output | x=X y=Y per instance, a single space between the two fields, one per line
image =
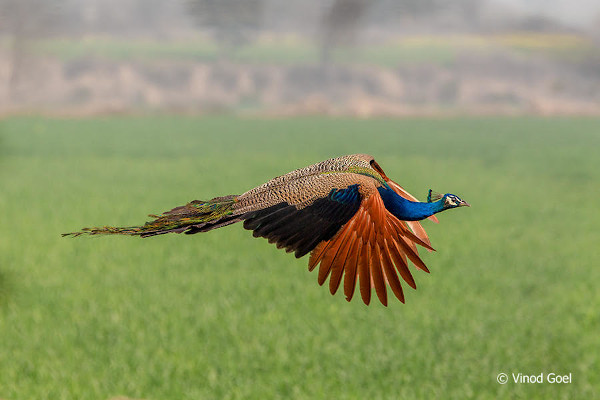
x=463 y=204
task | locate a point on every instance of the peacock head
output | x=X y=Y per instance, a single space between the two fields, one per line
x=449 y=200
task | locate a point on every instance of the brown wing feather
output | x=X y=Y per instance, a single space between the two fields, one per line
x=369 y=245
x=351 y=267
x=390 y=274
x=364 y=273
x=401 y=265
x=317 y=254
x=377 y=275
x=338 y=268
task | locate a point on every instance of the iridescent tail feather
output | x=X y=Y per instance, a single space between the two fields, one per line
x=196 y=216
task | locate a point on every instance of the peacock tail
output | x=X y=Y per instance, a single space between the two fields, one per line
x=196 y=216
x=357 y=223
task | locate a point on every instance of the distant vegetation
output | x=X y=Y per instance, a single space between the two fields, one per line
x=272 y=49
x=341 y=57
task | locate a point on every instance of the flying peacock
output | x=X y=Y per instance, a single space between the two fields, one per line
x=354 y=220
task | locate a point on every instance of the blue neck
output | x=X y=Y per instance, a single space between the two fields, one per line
x=407 y=210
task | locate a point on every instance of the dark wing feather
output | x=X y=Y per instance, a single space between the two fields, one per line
x=302 y=229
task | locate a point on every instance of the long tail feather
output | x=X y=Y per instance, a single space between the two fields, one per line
x=196 y=216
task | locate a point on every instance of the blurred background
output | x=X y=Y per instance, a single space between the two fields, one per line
x=111 y=110
x=289 y=57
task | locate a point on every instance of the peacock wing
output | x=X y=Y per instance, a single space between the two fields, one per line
x=301 y=227
x=368 y=247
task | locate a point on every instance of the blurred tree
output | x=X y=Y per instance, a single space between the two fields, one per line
x=343 y=20
x=156 y=18
x=415 y=7
x=594 y=59
x=595 y=30
x=233 y=23
x=341 y=25
x=25 y=21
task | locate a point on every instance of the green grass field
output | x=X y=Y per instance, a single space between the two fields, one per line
x=221 y=315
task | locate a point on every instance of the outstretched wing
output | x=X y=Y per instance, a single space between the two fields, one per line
x=301 y=229
x=368 y=247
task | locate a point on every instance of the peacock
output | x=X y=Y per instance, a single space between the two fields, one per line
x=353 y=220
